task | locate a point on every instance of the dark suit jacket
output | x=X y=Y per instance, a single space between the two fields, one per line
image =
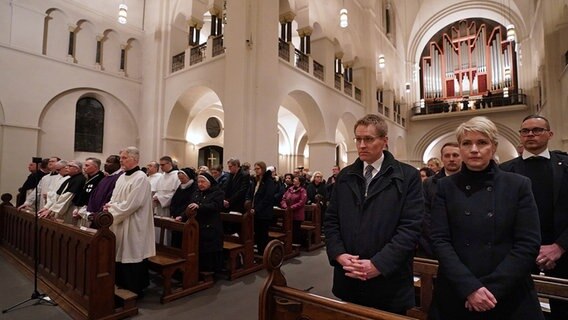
x=383 y=227
x=485 y=233
x=559 y=191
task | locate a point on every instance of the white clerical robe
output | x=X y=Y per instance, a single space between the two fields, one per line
x=133 y=225
x=165 y=188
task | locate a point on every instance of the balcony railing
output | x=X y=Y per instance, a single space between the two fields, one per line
x=318 y=70
x=284 y=50
x=197 y=54
x=218 y=47
x=338 y=81
x=302 y=60
x=178 y=62
x=357 y=94
x=484 y=102
x=347 y=88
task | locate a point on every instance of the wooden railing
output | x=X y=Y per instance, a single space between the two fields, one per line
x=75 y=263
x=218 y=47
x=197 y=54
x=178 y=62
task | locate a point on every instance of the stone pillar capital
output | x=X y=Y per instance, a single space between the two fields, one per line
x=287 y=17
x=305 y=31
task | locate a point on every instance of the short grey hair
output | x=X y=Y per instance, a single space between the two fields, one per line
x=132 y=152
x=96 y=161
x=478 y=124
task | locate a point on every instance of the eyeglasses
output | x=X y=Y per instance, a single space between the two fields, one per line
x=535 y=131
x=367 y=140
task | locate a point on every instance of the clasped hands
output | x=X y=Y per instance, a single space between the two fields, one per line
x=480 y=300
x=362 y=269
x=548 y=255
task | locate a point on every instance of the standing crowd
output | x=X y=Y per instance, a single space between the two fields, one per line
x=489 y=225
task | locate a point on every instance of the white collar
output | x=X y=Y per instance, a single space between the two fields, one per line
x=376 y=165
x=544 y=154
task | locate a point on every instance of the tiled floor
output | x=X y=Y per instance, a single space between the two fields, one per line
x=236 y=299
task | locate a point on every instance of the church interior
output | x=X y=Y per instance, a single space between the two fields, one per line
x=282 y=82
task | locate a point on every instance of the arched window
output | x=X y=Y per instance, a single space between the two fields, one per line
x=89 y=125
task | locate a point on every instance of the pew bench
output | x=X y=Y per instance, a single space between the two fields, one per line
x=277 y=301
x=185 y=260
x=426 y=270
x=75 y=266
x=282 y=231
x=239 y=249
x=311 y=228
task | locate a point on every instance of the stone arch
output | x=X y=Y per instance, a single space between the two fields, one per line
x=179 y=34
x=433 y=16
x=305 y=107
x=185 y=127
x=55 y=34
x=133 y=59
x=85 y=42
x=110 y=55
x=430 y=143
x=56 y=123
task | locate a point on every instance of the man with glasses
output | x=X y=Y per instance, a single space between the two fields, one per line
x=548 y=171
x=373 y=223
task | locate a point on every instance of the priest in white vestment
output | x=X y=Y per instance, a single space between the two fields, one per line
x=165 y=187
x=133 y=225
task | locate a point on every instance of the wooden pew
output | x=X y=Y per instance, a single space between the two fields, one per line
x=169 y=259
x=282 y=230
x=277 y=301
x=426 y=270
x=239 y=251
x=76 y=265
x=311 y=228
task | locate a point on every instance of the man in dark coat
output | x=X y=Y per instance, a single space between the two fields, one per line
x=548 y=171
x=236 y=187
x=373 y=222
x=451 y=160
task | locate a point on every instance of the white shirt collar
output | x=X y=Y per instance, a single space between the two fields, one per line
x=376 y=165
x=544 y=154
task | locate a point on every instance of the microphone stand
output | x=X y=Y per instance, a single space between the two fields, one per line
x=36 y=296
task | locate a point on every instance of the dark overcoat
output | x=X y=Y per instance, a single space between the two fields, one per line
x=485 y=233
x=208 y=216
x=559 y=190
x=383 y=227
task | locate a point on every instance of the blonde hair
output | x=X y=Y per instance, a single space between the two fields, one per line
x=478 y=124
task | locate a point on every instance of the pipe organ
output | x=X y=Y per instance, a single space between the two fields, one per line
x=468 y=58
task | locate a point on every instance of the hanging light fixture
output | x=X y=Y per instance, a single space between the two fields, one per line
x=343 y=19
x=122 y=13
x=506 y=92
x=382 y=61
x=511 y=34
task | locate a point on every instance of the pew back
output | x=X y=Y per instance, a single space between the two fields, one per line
x=76 y=263
x=277 y=301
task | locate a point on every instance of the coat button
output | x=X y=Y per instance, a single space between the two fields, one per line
x=468 y=187
x=467 y=213
x=489 y=244
x=489 y=188
x=489 y=214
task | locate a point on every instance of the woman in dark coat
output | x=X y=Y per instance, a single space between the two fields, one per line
x=261 y=194
x=208 y=201
x=485 y=234
x=181 y=199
